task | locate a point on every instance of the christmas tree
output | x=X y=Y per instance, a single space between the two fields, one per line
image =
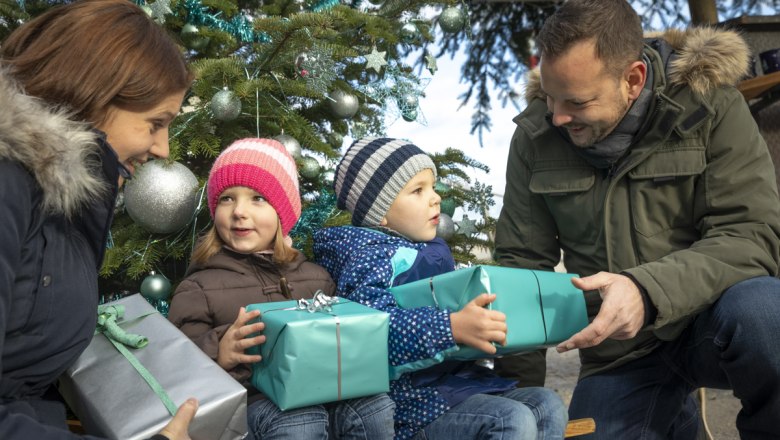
x=306 y=72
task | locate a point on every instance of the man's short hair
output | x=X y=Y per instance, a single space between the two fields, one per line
x=613 y=24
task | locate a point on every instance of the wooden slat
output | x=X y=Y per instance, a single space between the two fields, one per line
x=753 y=88
x=580 y=427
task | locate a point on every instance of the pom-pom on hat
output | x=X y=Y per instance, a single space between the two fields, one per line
x=265 y=166
x=372 y=173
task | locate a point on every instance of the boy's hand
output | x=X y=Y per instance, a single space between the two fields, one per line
x=477 y=327
x=235 y=341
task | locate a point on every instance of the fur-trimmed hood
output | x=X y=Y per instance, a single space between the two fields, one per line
x=705 y=58
x=61 y=154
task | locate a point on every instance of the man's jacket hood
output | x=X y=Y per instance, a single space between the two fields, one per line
x=705 y=59
x=57 y=151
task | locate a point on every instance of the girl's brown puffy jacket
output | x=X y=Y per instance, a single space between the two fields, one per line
x=206 y=302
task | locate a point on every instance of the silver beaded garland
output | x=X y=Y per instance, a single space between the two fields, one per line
x=452 y=19
x=225 y=105
x=161 y=197
x=343 y=105
x=290 y=144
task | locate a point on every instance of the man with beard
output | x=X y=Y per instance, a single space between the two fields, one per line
x=639 y=159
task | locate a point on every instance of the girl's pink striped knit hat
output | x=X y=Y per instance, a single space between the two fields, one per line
x=265 y=166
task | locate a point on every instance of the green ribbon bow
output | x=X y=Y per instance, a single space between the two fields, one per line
x=119 y=338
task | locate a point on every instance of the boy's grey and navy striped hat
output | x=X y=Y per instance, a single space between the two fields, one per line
x=372 y=173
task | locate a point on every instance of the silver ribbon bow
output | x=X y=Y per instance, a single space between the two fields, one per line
x=319 y=303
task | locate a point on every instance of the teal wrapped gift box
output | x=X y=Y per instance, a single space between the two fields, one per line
x=333 y=353
x=542 y=308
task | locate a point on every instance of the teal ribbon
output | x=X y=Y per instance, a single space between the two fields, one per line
x=119 y=338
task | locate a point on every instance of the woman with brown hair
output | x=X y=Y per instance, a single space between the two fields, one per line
x=87 y=92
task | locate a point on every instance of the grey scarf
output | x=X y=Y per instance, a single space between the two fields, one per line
x=605 y=153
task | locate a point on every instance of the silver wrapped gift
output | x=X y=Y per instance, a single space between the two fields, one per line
x=111 y=398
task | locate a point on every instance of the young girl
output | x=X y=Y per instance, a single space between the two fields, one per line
x=87 y=89
x=246 y=258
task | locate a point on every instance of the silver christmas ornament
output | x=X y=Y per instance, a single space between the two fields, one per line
x=225 y=105
x=409 y=115
x=310 y=168
x=290 y=144
x=156 y=286
x=452 y=19
x=191 y=37
x=161 y=197
x=343 y=105
x=409 y=33
x=335 y=139
x=447 y=206
x=301 y=62
x=328 y=176
x=446 y=227
x=409 y=101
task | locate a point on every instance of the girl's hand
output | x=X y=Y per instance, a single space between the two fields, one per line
x=235 y=341
x=478 y=327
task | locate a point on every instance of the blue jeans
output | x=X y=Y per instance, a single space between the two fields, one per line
x=734 y=344
x=521 y=413
x=366 y=418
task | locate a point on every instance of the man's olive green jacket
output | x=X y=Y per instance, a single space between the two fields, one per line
x=691 y=209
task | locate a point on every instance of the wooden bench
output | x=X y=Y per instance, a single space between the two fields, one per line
x=580 y=427
x=573 y=429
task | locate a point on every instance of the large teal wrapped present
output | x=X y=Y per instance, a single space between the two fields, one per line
x=320 y=350
x=542 y=308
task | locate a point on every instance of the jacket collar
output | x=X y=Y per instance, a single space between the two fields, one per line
x=60 y=153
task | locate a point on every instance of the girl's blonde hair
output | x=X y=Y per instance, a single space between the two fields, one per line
x=211 y=243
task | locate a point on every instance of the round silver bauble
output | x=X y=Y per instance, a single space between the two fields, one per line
x=335 y=139
x=409 y=100
x=343 y=105
x=409 y=115
x=447 y=206
x=156 y=286
x=290 y=144
x=328 y=177
x=446 y=227
x=409 y=33
x=161 y=197
x=452 y=19
x=310 y=168
x=225 y=105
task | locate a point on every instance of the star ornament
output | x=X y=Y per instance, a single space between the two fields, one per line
x=159 y=9
x=375 y=60
x=430 y=63
x=467 y=226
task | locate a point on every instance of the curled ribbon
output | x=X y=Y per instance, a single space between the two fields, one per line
x=319 y=303
x=119 y=338
x=106 y=323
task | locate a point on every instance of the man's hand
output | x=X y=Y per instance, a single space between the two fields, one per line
x=177 y=428
x=621 y=315
x=235 y=341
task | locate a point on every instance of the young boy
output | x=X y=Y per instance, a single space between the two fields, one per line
x=387 y=186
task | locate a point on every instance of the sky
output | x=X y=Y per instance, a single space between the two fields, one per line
x=449 y=126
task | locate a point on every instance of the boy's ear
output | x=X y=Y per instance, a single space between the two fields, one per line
x=383 y=222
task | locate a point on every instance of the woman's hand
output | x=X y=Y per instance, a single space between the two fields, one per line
x=177 y=428
x=235 y=341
